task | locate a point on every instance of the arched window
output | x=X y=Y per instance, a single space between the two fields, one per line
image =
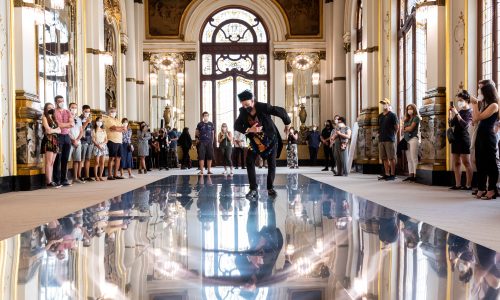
x=412 y=54
x=235 y=56
x=359 y=66
x=488 y=55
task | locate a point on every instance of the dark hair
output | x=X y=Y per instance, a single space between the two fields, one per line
x=124 y=119
x=205 y=113
x=490 y=94
x=486 y=82
x=52 y=121
x=245 y=95
x=58 y=97
x=407 y=115
x=342 y=119
x=143 y=124
x=84 y=107
x=174 y=129
x=185 y=130
x=329 y=123
x=72 y=104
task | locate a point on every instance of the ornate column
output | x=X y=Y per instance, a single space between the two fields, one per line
x=192 y=114
x=279 y=83
x=131 y=63
x=141 y=101
x=145 y=111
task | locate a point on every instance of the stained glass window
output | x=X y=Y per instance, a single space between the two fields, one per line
x=229 y=65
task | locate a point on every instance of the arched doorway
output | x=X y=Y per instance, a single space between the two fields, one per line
x=234 y=48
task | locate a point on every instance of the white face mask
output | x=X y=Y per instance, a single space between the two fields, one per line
x=385 y=107
x=99 y=124
x=460 y=104
x=410 y=112
x=125 y=124
x=61 y=104
x=112 y=114
x=336 y=121
x=87 y=114
x=480 y=96
x=74 y=111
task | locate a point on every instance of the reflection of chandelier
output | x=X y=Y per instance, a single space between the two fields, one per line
x=302 y=62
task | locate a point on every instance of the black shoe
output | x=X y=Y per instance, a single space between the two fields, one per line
x=167 y=169
x=252 y=195
x=111 y=178
x=474 y=192
x=408 y=179
x=243 y=168
x=89 y=179
x=325 y=169
x=391 y=178
x=464 y=188
x=414 y=179
x=66 y=183
x=119 y=177
x=53 y=185
x=272 y=193
x=455 y=188
x=383 y=177
x=236 y=168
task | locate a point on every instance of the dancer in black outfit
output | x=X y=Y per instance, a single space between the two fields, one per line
x=265 y=140
x=486 y=142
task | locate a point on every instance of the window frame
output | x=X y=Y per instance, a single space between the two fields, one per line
x=494 y=40
x=406 y=23
x=359 y=66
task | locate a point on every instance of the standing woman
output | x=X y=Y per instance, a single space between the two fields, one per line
x=186 y=142
x=461 y=120
x=325 y=140
x=340 y=140
x=486 y=143
x=292 y=153
x=126 y=150
x=144 y=136
x=100 y=140
x=50 y=144
x=225 y=140
x=411 y=130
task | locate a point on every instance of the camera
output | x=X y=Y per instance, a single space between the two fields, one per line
x=464 y=95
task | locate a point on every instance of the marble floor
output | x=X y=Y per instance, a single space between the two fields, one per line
x=197 y=237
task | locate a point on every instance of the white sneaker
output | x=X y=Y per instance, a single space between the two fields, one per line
x=76 y=180
x=131 y=176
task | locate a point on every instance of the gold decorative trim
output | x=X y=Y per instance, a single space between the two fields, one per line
x=112 y=10
x=279 y=55
x=368 y=50
x=23 y=95
x=28 y=113
x=124 y=48
x=21 y=3
x=322 y=55
x=188 y=56
x=139 y=82
x=435 y=92
x=146 y=56
x=130 y=79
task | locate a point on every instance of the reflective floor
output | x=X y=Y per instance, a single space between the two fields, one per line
x=190 y=237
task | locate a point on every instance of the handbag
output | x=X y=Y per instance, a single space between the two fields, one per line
x=450 y=135
x=402 y=146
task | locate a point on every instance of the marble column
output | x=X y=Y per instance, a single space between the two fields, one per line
x=131 y=63
x=192 y=111
x=141 y=101
x=338 y=85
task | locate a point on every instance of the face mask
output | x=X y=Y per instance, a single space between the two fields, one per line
x=410 y=112
x=249 y=109
x=99 y=124
x=480 y=97
x=462 y=267
x=112 y=114
x=87 y=114
x=60 y=104
x=125 y=124
x=314 y=128
x=74 y=111
x=385 y=107
x=50 y=111
x=336 y=121
x=460 y=104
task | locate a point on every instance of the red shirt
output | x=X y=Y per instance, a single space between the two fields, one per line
x=63 y=116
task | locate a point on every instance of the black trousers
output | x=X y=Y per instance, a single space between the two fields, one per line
x=239 y=156
x=313 y=155
x=61 y=161
x=226 y=153
x=486 y=162
x=271 y=172
x=329 y=159
x=186 y=160
x=163 y=161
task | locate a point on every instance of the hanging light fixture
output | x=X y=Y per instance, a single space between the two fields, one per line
x=315 y=78
x=289 y=78
x=107 y=59
x=57 y=4
x=153 y=78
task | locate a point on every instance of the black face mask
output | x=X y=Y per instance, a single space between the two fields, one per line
x=249 y=109
x=51 y=111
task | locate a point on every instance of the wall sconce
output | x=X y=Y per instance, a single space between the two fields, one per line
x=289 y=78
x=302 y=100
x=57 y=4
x=153 y=78
x=359 y=57
x=315 y=78
x=107 y=59
x=180 y=78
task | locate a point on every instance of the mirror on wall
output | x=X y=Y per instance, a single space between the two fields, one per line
x=56 y=47
x=303 y=89
x=166 y=75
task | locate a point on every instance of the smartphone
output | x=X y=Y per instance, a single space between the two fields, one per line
x=452 y=105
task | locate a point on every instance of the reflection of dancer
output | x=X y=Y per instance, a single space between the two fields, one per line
x=256 y=264
x=265 y=140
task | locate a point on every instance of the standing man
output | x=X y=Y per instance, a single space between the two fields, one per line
x=173 y=137
x=388 y=126
x=75 y=134
x=313 y=141
x=265 y=140
x=65 y=122
x=325 y=140
x=114 y=130
x=87 y=145
x=205 y=134
x=240 y=145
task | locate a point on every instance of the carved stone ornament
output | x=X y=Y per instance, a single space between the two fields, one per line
x=146 y=56
x=322 y=55
x=187 y=56
x=347 y=42
x=279 y=55
x=459 y=33
x=112 y=10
